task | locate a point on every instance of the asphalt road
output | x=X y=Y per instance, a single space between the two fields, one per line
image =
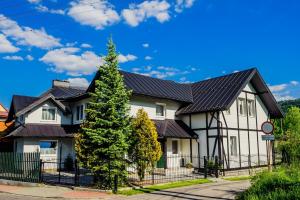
x=221 y=190
x=225 y=190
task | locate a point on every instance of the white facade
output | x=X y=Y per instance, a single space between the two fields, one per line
x=240 y=133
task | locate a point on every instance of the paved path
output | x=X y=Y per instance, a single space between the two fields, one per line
x=221 y=190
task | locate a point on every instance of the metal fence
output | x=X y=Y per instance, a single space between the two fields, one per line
x=20 y=166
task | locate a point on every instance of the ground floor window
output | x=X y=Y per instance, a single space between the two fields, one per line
x=233 y=146
x=174 y=147
x=48 y=147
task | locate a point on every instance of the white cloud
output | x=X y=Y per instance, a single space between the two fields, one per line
x=45 y=9
x=19 y=58
x=34 y=1
x=126 y=58
x=85 y=45
x=146 y=45
x=278 y=88
x=79 y=82
x=26 y=35
x=6 y=46
x=161 y=71
x=95 y=13
x=71 y=61
x=30 y=57
x=148 y=58
x=182 y=4
x=280 y=97
x=137 y=13
x=295 y=83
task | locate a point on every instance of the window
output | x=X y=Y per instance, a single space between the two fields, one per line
x=251 y=108
x=160 y=110
x=49 y=114
x=242 y=106
x=79 y=112
x=21 y=119
x=48 y=147
x=174 y=147
x=233 y=146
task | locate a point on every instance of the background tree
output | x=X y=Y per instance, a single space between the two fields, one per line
x=145 y=150
x=289 y=140
x=103 y=141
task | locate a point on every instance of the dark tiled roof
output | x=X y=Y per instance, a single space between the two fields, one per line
x=41 y=130
x=64 y=92
x=217 y=93
x=20 y=102
x=144 y=85
x=173 y=129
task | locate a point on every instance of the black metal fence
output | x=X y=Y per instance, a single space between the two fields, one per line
x=20 y=167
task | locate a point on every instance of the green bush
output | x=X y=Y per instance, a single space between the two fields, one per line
x=282 y=184
x=69 y=163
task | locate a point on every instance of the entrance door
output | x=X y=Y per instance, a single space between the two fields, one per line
x=175 y=156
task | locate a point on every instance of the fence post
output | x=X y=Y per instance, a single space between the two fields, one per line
x=249 y=164
x=216 y=166
x=40 y=172
x=152 y=173
x=76 y=175
x=205 y=167
x=115 y=190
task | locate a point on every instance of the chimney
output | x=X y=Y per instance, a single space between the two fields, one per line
x=60 y=83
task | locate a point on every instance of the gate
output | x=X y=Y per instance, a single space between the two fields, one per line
x=24 y=167
x=65 y=173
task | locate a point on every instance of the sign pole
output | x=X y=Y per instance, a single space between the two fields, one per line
x=268 y=129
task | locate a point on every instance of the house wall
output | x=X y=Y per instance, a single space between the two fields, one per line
x=35 y=115
x=28 y=145
x=246 y=129
x=149 y=105
x=83 y=102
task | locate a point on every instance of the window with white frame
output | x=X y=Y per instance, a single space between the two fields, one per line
x=242 y=106
x=233 y=146
x=48 y=147
x=160 y=110
x=48 y=114
x=79 y=112
x=251 y=108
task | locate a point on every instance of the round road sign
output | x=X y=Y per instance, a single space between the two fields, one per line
x=267 y=127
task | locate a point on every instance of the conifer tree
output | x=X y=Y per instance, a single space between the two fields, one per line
x=146 y=149
x=102 y=142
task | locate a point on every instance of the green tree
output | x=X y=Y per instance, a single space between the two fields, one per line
x=289 y=141
x=102 y=142
x=146 y=149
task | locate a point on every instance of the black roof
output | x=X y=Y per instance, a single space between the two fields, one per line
x=169 y=128
x=43 y=130
x=145 y=85
x=19 y=102
x=64 y=92
x=216 y=93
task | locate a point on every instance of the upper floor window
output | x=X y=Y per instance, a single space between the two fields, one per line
x=49 y=114
x=251 y=108
x=160 y=110
x=79 y=112
x=242 y=106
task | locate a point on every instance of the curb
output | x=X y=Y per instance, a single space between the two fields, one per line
x=18 y=183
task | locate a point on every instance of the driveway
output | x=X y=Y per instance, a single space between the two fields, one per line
x=221 y=190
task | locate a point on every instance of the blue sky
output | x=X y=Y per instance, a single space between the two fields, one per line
x=181 y=40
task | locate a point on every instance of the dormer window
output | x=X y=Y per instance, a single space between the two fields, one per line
x=79 y=112
x=48 y=114
x=160 y=110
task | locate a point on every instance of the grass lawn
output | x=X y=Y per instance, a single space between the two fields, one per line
x=155 y=188
x=238 y=178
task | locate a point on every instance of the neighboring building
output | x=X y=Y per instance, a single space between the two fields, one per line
x=5 y=145
x=220 y=116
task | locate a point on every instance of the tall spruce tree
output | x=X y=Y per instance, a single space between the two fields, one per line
x=145 y=149
x=103 y=141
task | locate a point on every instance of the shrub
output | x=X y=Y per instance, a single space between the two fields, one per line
x=189 y=165
x=69 y=163
x=283 y=183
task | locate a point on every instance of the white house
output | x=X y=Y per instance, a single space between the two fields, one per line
x=216 y=117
